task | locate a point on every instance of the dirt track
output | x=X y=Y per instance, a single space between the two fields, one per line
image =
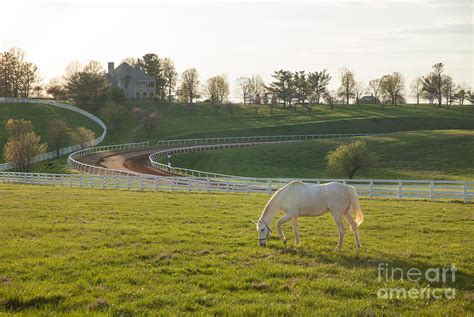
x=129 y=161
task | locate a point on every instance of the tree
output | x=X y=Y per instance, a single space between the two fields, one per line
x=283 y=86
x=56 y=89
x=132 y=61
x=348 y=83
x=256 y=88
x=448 y=89
x=83 y=137
x=317 y=85
x=217 y=90
x=392 y=87
x=244 y=89
x=374 y=88
x=23 y=144
x=114 y=115
x=189 y=85
x=170 y=76
x=349 y=158
x=462 y=93
x=331 y=98
x=302 y=89
x=359 y=90
x=433 y=83
x=87 y=85
x=416 y=88
x=150 y=121
x=150 y=63
x=18 y=77
x=57 y=132
x=273 y=104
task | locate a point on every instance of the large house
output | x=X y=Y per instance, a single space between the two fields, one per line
x=133 y=82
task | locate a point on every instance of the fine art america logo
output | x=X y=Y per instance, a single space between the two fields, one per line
x=443 y=276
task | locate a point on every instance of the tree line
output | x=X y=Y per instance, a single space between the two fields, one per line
x=86 y=85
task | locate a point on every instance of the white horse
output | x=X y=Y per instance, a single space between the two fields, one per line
x=299 y=199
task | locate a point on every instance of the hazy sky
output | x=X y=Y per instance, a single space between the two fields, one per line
x=241 y=38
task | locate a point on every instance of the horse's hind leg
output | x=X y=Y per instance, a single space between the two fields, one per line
x=353 y=225
x=283 y=219
x=340 y=227
x=296 y=230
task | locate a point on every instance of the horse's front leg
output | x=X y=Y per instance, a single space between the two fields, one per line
x=296 y=230
x=283 y=219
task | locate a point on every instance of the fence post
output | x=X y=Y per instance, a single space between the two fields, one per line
x=208 y=185
x=465 y=192
x=269 y=186
x=400 y=190
x=431 y=190
x=371 y=189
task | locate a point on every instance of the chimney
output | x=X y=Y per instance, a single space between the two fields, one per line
x=110 y=68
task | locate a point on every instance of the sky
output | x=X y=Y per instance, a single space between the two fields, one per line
x=243 y=38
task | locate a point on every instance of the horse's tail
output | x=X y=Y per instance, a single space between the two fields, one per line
x=359 y=217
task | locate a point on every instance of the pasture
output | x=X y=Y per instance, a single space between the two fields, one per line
x=439 y=154
x=76 y=251
x=176 y=122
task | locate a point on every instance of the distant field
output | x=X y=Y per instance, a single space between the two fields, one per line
x=445 y=154
x=177 y=122
x=41 y=116
x=70 y=251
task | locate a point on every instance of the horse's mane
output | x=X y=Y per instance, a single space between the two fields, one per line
x=274 y=199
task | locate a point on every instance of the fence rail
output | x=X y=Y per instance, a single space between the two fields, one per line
x=63 y=151
x=260 y=138
x=398 y=189
x=73 y=161
x=225 y=143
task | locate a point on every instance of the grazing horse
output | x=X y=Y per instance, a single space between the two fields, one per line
x=299 y=199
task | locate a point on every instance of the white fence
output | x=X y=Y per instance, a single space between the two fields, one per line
x=63 y=151
x=97 y=170
x=225 y=143
x=406 y=189
x=261 y=138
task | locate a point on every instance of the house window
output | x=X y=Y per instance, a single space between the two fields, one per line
x=144 y=94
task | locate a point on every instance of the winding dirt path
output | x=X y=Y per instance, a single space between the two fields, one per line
x=135 y=161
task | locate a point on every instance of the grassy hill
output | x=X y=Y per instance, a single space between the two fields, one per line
x=447 y=154
x=179 y=253
x=178 y=122
x=41 y=116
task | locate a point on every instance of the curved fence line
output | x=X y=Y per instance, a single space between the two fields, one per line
x=225 y=143
x=63 y=151
x=97 y=170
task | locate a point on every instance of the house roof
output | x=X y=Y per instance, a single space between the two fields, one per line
x=125 y=69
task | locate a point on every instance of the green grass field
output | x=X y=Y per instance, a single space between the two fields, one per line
x=446 y=154
x=72 y=251
x=177 y=122
x=41 y=116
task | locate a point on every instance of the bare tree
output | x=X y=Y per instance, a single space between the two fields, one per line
x=150 y=121
x=18 y=77
x=359 y=90
x=346 y=90
x=189 y=85
x=55 y=88
x=416 y=88
x=57 y=132
x=244 y=89
x=374 y=88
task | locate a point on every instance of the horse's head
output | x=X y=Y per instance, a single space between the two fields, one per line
x=263 y=232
